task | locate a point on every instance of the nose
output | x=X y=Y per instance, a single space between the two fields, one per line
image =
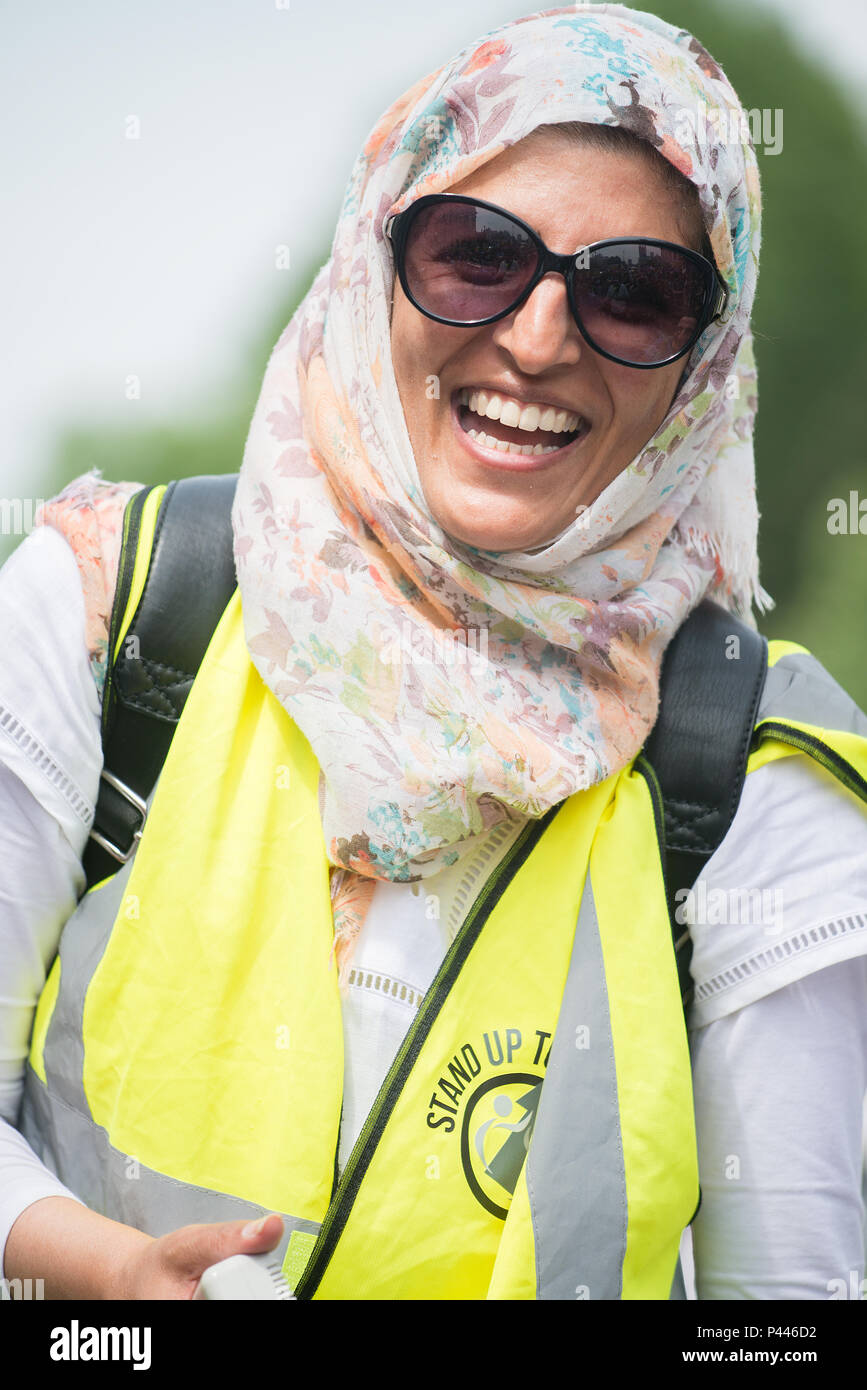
x=541 y=333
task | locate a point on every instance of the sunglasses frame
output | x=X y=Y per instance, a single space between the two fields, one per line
x=716 y=295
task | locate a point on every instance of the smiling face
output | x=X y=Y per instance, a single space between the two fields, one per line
x=535 y=359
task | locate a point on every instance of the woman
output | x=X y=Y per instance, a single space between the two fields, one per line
x=480 y=494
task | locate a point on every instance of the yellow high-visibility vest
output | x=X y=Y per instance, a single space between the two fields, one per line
x=534 y=1136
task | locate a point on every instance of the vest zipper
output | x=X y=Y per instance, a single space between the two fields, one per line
x=125 y=570
x=657 y=801
x=389 y=1093
x=808 y=743
x=649 y=774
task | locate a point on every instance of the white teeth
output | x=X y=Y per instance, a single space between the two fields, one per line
x=502 y=446
x=514 y=415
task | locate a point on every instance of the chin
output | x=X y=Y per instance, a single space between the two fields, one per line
x=496 y=518
x=495 y=538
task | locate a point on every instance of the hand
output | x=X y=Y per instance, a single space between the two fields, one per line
x=171 y=1266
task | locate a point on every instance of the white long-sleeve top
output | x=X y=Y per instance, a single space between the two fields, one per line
x=778 y=1032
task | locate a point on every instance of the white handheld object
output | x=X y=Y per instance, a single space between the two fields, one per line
x=245 y=1277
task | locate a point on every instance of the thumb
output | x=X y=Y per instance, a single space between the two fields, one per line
x=195 y=1248
x=262 y=1234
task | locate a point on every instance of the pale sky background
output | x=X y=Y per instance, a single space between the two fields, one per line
x=156 y=256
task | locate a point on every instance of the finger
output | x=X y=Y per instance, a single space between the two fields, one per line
x=192 y=1249
x=263 y=1234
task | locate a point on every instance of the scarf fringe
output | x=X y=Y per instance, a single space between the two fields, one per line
x=740 y=569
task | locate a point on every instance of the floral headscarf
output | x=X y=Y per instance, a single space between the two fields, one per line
x=339 y=556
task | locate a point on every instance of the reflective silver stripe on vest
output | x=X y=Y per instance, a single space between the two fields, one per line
x=58 y=1125
x=82 y=945
x=575 y=1172
x=798 y=687
x=120 y=1187
x=678 y=1283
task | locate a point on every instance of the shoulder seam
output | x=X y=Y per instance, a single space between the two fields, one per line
x=795 y=945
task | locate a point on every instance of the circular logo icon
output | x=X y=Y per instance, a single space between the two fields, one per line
x=495 y=1135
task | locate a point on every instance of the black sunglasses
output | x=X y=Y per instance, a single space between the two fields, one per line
x=637 y=301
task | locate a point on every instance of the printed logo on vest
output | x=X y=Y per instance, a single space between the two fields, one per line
x=495 y=1135
x=492 y=1110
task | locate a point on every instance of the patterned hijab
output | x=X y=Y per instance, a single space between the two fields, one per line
x=345 y=576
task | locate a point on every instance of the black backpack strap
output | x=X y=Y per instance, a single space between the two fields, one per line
x=712 y=677
x=190 y=580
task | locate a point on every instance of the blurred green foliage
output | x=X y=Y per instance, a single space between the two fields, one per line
x=810 y=346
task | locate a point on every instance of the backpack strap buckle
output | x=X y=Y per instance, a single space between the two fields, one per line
x=121 y=817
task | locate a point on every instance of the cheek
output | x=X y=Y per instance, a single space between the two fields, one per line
x=398 y=341
x=673 y=376
x=413 y=355
x=644 y=404
x=421 y=354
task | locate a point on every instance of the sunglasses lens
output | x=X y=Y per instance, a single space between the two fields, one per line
x=466 y=263
x=640 y=303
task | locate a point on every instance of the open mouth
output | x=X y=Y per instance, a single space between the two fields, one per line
x=503 y=424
